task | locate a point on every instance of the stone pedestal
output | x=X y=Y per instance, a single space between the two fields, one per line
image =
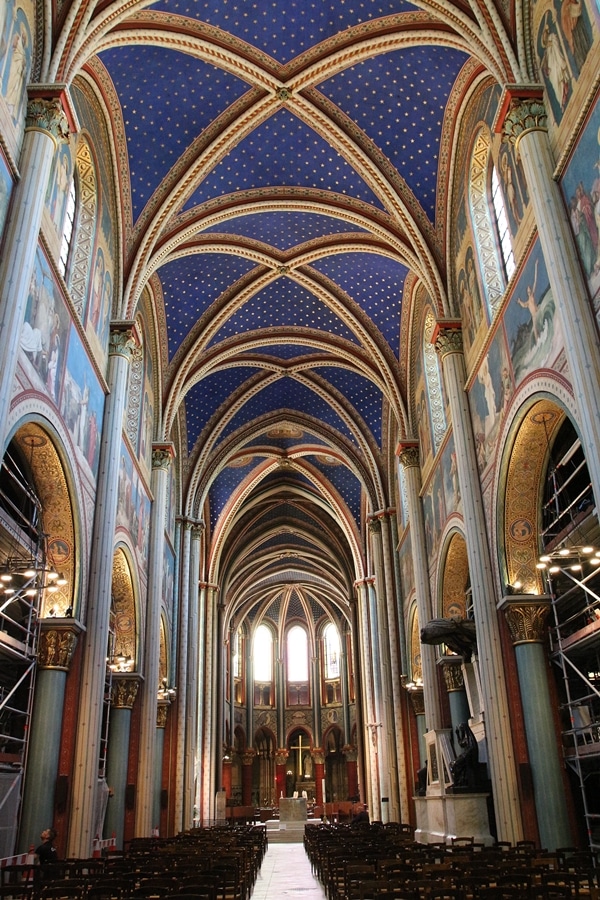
x=439 y=819
x=292 y=809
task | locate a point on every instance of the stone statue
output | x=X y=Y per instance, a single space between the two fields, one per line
x=458 y=634
x=464 y=768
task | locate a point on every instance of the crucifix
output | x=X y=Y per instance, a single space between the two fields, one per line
x=298 y=747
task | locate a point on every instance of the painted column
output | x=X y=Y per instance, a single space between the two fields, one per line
x=210 y=760
x=344 y=686
x=162 y=455
x=525 y=126
x=202 y=682
x=247 y=764
x=56 y=646
x=281 y=757
x=408 y=456
x=316 y=692
x=359 y=696
x=123 y=694
x=182 y=675
x=46 y=127
x=97 y=613
x=226 y=776
x=351 y=755
x=526 y=618
x=455 y=685
x=162 y=712
x=501 y=757
x=318 y=758
x=368 y=702
x=193 y=657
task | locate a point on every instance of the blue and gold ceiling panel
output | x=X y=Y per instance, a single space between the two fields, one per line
x=284 y=229
x=206 y=397
x=360 y=392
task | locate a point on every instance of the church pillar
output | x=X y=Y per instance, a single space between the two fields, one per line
x=417 y=699
x=408 y=455
x=367 y=662
x=452 y=670
x=193 y=665
x=526 y=618
x=162 y=712
x=227 y=776
x=525 y=126
x=281 y=757
x=351 y=755
x=344 y=687
x=316 y=680
x=97 y=616
x=211 y=749
x=247 y=768
x=501 y=757
x=318 y=758
x=124 y=691
x=202 y=683
x=46 y=126
x=182 y=675
x=162 y=454
x=56 y=646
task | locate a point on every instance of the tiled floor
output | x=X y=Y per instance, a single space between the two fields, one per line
x=285 y=872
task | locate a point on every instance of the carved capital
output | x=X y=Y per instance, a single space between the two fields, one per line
x=162 y=456
x=48 y=116
x=374 y=526
x=418 y=702
x=448 y=340
x=526 y=618
x=453 y=673
x=197 y=530
x=162 y=711
x=56 y=645
x=123 y=340
x=247 y=756
x=318 y=756
x=525 y=115
x=124 y=691
x=408 y=456
x=350 y=752
x=281 y=756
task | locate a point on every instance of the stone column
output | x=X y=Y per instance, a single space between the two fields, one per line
x=162 y=711
x=526 y=617
x=417 y=700
x=501 y=757
x=202 y=682
x=368 y=700
x=226 y=776
x=318 y=758
x=211 y=752
x=193 y=657
x=182 y=676
x=162 y=455
x=351 y=754
x=97 y=614
x=46 y=126
x=525 y=126
x=124 y=691
x=408 y=455
x=281 y=757
x=455 y=685
x=316 y=698
x=247 y=764
x=56 y=646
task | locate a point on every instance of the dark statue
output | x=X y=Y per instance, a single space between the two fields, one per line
x=464 y=769
x=457 y=634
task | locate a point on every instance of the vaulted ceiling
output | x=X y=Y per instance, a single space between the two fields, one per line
x=287 y=186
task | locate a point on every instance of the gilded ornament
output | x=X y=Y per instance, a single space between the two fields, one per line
x=526 y=621
x=409 y=457
x=124 y=691
x=56 y=647
x=49 y=116
x=449 y=340
x=523 y=116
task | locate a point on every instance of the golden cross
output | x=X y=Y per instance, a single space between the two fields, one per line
x=299 y=749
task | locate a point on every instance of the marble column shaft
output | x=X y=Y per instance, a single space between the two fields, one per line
x=97 y=613
x=202 y=678
x=162 y=713
x=193 y=652
x=211 y=755
x=46 y=126
x=526 y=620
x=161 y=460
x=501 y=756
x=124 y=692
x=368 y=663
x=316 y=700
x=409 y=459
x=182 y=675
x=525 y=127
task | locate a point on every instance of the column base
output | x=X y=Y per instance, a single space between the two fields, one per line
x=439 y=819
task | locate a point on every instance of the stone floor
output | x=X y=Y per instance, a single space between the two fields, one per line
x=285 y=872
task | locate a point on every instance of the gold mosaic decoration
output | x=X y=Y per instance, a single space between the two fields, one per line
x=123 y=608
x=456 y=576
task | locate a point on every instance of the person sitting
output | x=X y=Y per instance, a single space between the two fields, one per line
x=46 y=852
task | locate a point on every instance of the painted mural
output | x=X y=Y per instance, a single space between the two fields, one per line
x=58 y=186
x=514 y=187
x=489 y=395
x=82 y=401
x=16 y=54
x=452 y=495
x=168 y=585
x=581 y=189
x=405 y=559
x=133 y=507
x=6 y=186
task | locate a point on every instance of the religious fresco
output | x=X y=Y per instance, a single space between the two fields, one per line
x=563 y=38
x=489 y=396
x=168 y=582
x=449 y=467
x=434 y=509
x=16 y=53
x=99 y=300
x=514 y=186
x=6 y=186
x=58 y=186
x=45 y=331
x=405 y=559
x=133 y=506
x=82 y=402
x=470 y=304
x=532 y=327
x=580 y=185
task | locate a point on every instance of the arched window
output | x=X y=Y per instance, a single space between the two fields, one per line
x=67 y=235
x=485 y=223
x=501 y=220
x=262 y=661
x=431 y=365
x=297 y=666
x=332 y=649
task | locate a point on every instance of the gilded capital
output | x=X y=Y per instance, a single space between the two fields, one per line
x=123 y=340
x=448 y=341
x=318 y=756
x=453 y=673
x=162 y=455
x=350 y=752
x=418 y=702
x=524 y=115
x=247 y=756
x=408 y=456
x=56 y=646
x=526 y=618
x=162 y=711
x=48 y=116
x=124 y=691
x=374 y=526
x=281 y=756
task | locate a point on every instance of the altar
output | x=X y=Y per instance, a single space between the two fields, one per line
x=292 y=809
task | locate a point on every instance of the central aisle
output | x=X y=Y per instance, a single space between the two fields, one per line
x=285 y=872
